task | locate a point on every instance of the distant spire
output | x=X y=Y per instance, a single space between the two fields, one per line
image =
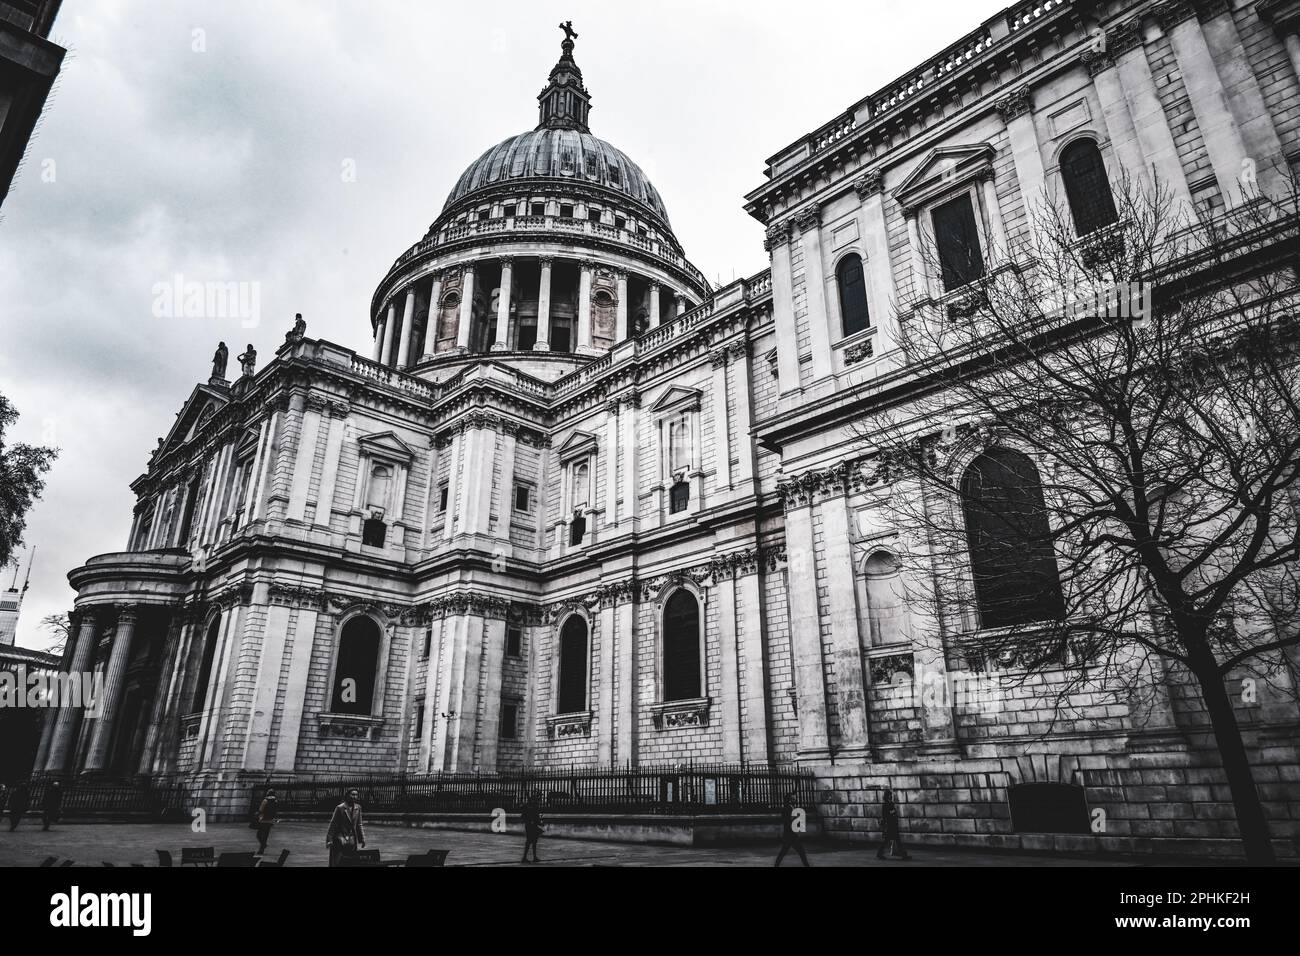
x=565 y=102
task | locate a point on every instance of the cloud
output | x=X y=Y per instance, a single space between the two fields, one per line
x=217 y=155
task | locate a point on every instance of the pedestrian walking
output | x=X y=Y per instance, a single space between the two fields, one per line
x=20 y=798
x=267 y=815
x=52 y=807
x=889 y=824
x=792 y=823
x=346 y=834
x=533 y=828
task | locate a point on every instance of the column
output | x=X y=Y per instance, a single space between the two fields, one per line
x=654 y=304
x=106 y=719
x=724 y=595
x=721 y=420
x=787 y=341
x=625 y=621
x=266 y=687
x=629 y=513
x=466 y=308
x=380 y=328
x=1017 y=112
x=506 y=455
x=850 y=689
x=494 y=652
x=466 y=695
x=1149 y=119
x=1001 y=249
x=677 y=304
x=602 y=687
x=1126 y=154
x=295 y=696
x=871 y=226
x=611 y=462
x=1219 y=130
x=805 y=628
x=305 y=456
x=809 y=222
x=621 y=329
x=453 y=484
x=743 y=416
x=920 y=274
x=259 y=488
x=408 y=329
x=65 y=726
x=543 y=343
x=584 y=307
x=749 y=644
x=392 y=335
x=168 y=679
x=430 y=693
x=431 y=323
x=501 y=342
x=256 y=465
x=338 y=412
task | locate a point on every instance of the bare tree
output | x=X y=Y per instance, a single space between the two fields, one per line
x=1102 y=440
x=60 y=628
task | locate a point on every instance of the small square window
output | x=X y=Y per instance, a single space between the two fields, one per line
x=620 y=222
x=443 y=493
x=484 y=214
x=514 y=641
x=679 y=497
x=593 y=215
x=566 y=210
x=523 y=498
x=539 y=209
x=510 y=210
x=509 y=720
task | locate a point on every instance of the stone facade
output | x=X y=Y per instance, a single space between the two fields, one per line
x=569 y=470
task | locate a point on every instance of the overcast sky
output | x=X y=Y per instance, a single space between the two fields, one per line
x=214 y=141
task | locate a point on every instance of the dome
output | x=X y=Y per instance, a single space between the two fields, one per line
x=567 y=154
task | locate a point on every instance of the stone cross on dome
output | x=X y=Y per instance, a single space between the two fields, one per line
x=565 y=102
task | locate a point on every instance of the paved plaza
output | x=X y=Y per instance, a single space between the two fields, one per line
x=125 y=844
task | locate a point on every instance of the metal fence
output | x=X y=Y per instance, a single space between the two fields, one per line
x=666 y=790
x=109 y=800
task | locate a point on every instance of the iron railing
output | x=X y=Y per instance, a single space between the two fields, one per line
x=91 y=800
x=665 y=790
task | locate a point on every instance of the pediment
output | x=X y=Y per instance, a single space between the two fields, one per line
x=945 y=168
x=386 y=445
x=576 y=444
x=677 y=397
x=203 y=403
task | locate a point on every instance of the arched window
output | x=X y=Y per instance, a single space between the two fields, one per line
x=205 y=666
x=679 y=446
x=572 y=697
x=853 y=295
x=682 y=647
x=886 y=609
x=1086 y=187
x=357 y=667
x=1012 y=560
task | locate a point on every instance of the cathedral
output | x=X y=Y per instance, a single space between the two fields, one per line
x=571 y=505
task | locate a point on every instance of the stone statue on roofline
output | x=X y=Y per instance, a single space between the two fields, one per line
x=299 y=329
x=248 y=361
x=219 y=362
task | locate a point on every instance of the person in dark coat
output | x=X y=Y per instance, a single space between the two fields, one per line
x=52 y=808
x=791 y=837
x=889 y=824
x=533 y=828
x=346 y=833
x=266 y=817
x=20 y=798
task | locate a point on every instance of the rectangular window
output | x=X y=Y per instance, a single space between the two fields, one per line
x=443 y=493
x=484 y=213
x=428 y=642
x=620 y=222
x=539 y=209
x=679 y=497
x=957 y=242
x=523 y=498
x=511 y=209
x=527 y=336
x=593 y=215
x=419 y=716
x=373 y=533
x=514 y=641
x=560 y=336
x=566 y=210
x=509 y=720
